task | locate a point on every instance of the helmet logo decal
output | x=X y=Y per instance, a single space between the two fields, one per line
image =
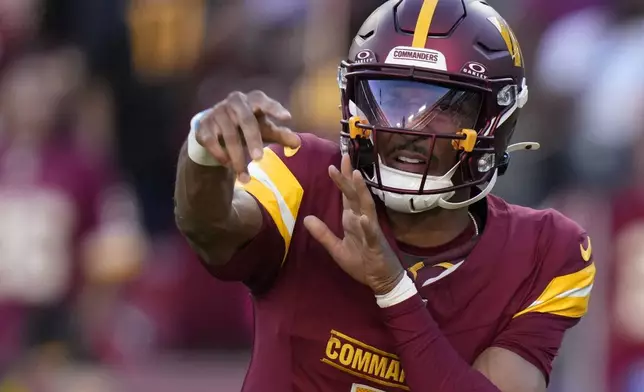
x=425 y=17
x=365 y=56
x=509 y=38
x=475 y=69
x=416 y=57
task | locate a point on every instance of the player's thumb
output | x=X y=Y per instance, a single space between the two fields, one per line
x=274 y=133
x=280 y=113
x=291 y=139
x=321 y=232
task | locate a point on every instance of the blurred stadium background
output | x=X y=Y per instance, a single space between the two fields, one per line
x=97 y=290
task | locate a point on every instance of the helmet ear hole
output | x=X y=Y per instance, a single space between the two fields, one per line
x=503 y=134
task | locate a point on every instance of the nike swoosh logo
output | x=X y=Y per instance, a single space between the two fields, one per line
x=443 y=274
x=586 y=253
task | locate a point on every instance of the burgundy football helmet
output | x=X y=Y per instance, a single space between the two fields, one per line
x=431 y=72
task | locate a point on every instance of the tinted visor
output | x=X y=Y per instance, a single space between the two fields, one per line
x=417 y=106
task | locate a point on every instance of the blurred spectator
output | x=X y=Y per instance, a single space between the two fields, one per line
x=55 y=239
x=626 y=299
x=19 y=25
x=174 y=305
x=595 y=85
x=590 y=67
x=144 y=52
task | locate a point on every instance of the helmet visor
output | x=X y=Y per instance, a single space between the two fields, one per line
x=412 y=105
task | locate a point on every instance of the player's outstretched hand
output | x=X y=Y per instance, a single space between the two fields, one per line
x=363 y=253
x=235 y=130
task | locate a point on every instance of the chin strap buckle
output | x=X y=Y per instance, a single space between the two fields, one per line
x=355 y=131
x=466 y=144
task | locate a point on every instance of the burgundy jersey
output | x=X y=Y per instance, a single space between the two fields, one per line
x=526 y=281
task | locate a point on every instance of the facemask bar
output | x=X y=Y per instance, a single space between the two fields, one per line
x=362 y=138
x=359 y=136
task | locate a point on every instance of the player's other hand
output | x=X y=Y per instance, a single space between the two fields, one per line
x=363 y=253
x=236 y=129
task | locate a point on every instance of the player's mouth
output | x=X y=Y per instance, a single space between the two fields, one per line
x=409 y=161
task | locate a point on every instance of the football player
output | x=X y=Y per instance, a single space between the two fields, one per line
x=384 y=264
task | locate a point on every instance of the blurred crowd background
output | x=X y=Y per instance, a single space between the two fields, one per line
x=98 y=292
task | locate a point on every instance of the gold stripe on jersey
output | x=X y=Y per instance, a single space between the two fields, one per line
x=566 y=295
x=423 y=23
x=278 y=190
x=445 y=265
x=415 y=268
x=268 y=200
x=285 y=181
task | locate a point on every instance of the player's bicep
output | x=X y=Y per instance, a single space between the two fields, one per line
x=257 y=261
x=536 y=338
x=509 y=371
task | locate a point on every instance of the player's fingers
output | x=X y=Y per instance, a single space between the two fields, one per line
x=346 y=187
x=351 y=224
x=232 y=142
x=207 y=135
x=347 y=205
x=370 y=231
x=345 y=166
x=278 y=134
x=262 y=102
x=321 y=232
x=367 y=205
x=240 y=110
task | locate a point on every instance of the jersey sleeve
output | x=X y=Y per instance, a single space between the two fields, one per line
x=556 y=301
x=279 y=183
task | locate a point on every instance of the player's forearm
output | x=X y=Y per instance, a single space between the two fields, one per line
x=203 y=195
x=208 y=213
x=430 y=362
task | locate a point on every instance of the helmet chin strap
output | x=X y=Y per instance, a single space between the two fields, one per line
x=527 y=146
x=455 y=206
x=412 y=204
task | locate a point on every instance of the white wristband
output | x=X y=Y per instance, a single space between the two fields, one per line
x=404 y=290
x=197 y=153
